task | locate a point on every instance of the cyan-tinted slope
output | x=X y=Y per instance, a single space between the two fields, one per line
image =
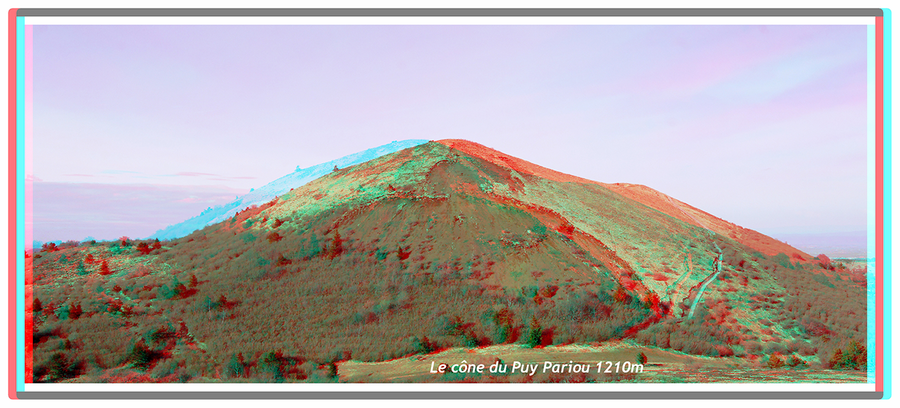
x=280 y=186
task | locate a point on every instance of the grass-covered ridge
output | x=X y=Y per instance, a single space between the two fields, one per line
x=418 y=251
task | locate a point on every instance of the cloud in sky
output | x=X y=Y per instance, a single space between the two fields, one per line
x=211 y=176
x=130 y=177
x=119 y=172
x=192 y=174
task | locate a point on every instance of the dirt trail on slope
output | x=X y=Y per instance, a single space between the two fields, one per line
x=717 y=264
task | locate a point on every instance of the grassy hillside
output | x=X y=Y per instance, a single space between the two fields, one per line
x=421 y=250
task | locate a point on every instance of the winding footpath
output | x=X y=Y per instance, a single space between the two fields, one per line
x=717 y=263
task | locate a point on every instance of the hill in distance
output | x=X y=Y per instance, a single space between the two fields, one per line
x=441 y=245
x=276 y=188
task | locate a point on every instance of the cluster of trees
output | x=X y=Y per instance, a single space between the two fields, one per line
x=777 y=361
x=59 y=367
x=852 y=357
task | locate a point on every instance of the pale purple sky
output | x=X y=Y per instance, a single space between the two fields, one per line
x=763 y=126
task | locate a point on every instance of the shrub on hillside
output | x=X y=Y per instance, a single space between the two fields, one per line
x=775 y=361
x=534 y=334
x=853 y=357
x=58 y=368
x=641 y=358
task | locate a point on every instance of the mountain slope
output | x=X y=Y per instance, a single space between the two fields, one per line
x=434 y=246
x=638 y=246
x=275 y=188
x=639 y=193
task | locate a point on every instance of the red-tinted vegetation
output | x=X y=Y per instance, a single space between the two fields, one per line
x=418 y=251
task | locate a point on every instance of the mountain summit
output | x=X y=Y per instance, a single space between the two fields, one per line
x=523 y=216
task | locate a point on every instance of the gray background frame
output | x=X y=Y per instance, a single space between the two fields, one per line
x=449 y=12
